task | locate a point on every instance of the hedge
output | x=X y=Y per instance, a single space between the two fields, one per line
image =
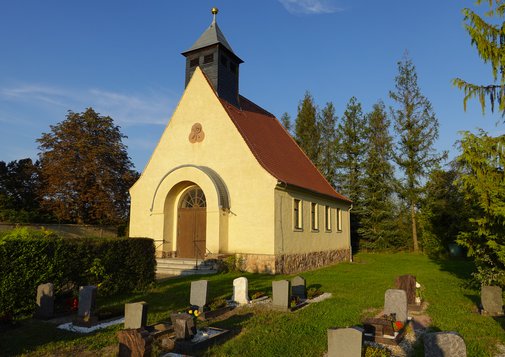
x=115 y=265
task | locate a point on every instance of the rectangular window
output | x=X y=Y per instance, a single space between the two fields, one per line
x=327 y=218
x=208 y=58
x=194 y=62
x=297 y=214
x=339 y=219
x=314 y=216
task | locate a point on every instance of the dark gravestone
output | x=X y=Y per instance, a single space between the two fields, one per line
x=298 y=287
x=492 y=300
x=45 y=301
x=87 y=305
x=408 y=284
x=184 y=326
x=198 y=294
x=345 y=342
x=395 y=302
x=135 y=315
x=134 y=343
x=444 y=344
x=281 y=290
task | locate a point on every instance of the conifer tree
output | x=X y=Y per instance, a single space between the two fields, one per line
x=377 y=221
x=416 y=128
x=306 y=129
x=286 y=122
x=351 y=135
x=328 y=143
x=489 y=40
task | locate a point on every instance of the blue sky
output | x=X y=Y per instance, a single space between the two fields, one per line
x=122 y=57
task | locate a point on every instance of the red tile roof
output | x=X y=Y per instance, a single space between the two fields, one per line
x=276 y=150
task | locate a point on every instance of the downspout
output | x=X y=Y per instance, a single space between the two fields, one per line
x=350 y=242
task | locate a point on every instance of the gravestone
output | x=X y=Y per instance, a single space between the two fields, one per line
x=184 y=326
x=45 y=301
x=395 y=302
x=345 y=342
x=135 y=315
x=298 y=287
x=281 y=290
x=241 y=291
x=408 y=284
x=87 y=301
x=444 y=344
x=137 y=342
x=87 y=304
x=492 y=300
x=198 y=295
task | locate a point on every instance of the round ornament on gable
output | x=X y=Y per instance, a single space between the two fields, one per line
x=196 y=135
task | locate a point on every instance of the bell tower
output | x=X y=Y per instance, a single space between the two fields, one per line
x=213 y=54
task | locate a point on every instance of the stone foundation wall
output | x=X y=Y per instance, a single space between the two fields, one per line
x=257 y=263
x=295 y=263
x=290 y=263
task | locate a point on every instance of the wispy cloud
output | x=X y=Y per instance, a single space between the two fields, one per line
x=310 y=7
x=154 y=107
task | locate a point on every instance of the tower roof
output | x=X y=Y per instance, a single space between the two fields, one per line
x=211 y=36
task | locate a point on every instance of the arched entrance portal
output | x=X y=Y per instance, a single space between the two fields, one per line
x=191 y=224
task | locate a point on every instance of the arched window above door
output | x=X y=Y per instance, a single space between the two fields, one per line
x=193 y=198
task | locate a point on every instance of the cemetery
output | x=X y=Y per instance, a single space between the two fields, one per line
x=359 y=307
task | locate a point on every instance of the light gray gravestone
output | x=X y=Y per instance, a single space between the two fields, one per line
x=198 y=294
x=281 y=290
x=345 y=342
x=241 y=291
x=395 y=302
x=135 y=315
x=45 y=301
x=298 y=287
x=444 y=344
x=407 y=283
x=492 y=300
x=87 y=301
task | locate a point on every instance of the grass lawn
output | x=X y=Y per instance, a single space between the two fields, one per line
x=358 y=291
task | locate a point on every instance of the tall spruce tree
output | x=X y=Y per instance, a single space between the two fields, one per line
x=417 y=130
x=306 y=129
x=489 y=40
x=351 y=137
x=328 y=143
x=377 y=221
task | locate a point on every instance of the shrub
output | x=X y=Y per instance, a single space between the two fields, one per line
x=29 y=259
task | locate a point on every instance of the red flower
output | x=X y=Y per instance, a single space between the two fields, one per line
x=398 y=325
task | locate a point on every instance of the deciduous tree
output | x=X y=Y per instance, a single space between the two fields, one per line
x=85 y=169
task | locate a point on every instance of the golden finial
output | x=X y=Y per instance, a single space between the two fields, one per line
x=214 y=11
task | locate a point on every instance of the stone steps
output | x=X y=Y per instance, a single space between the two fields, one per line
x=183 y=266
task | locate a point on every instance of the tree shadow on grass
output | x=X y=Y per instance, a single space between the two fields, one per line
x=500 y=320
x=459 y=267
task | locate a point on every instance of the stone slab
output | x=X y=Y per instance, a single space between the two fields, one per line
x=492 y=300
x=135 y=315
x=45 y=301
x=199 y=293
x=345 y=342
x=298 y=287
x=408 y=284
x=241 y=291
x=444 y=344
x=281 y=294
x=395 y=302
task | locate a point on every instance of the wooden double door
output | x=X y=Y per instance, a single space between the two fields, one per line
x=192 y=224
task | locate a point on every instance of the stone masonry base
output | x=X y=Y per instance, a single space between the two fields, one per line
x=290 y=263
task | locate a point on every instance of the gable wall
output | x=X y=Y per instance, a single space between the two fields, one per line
x=249 y=226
